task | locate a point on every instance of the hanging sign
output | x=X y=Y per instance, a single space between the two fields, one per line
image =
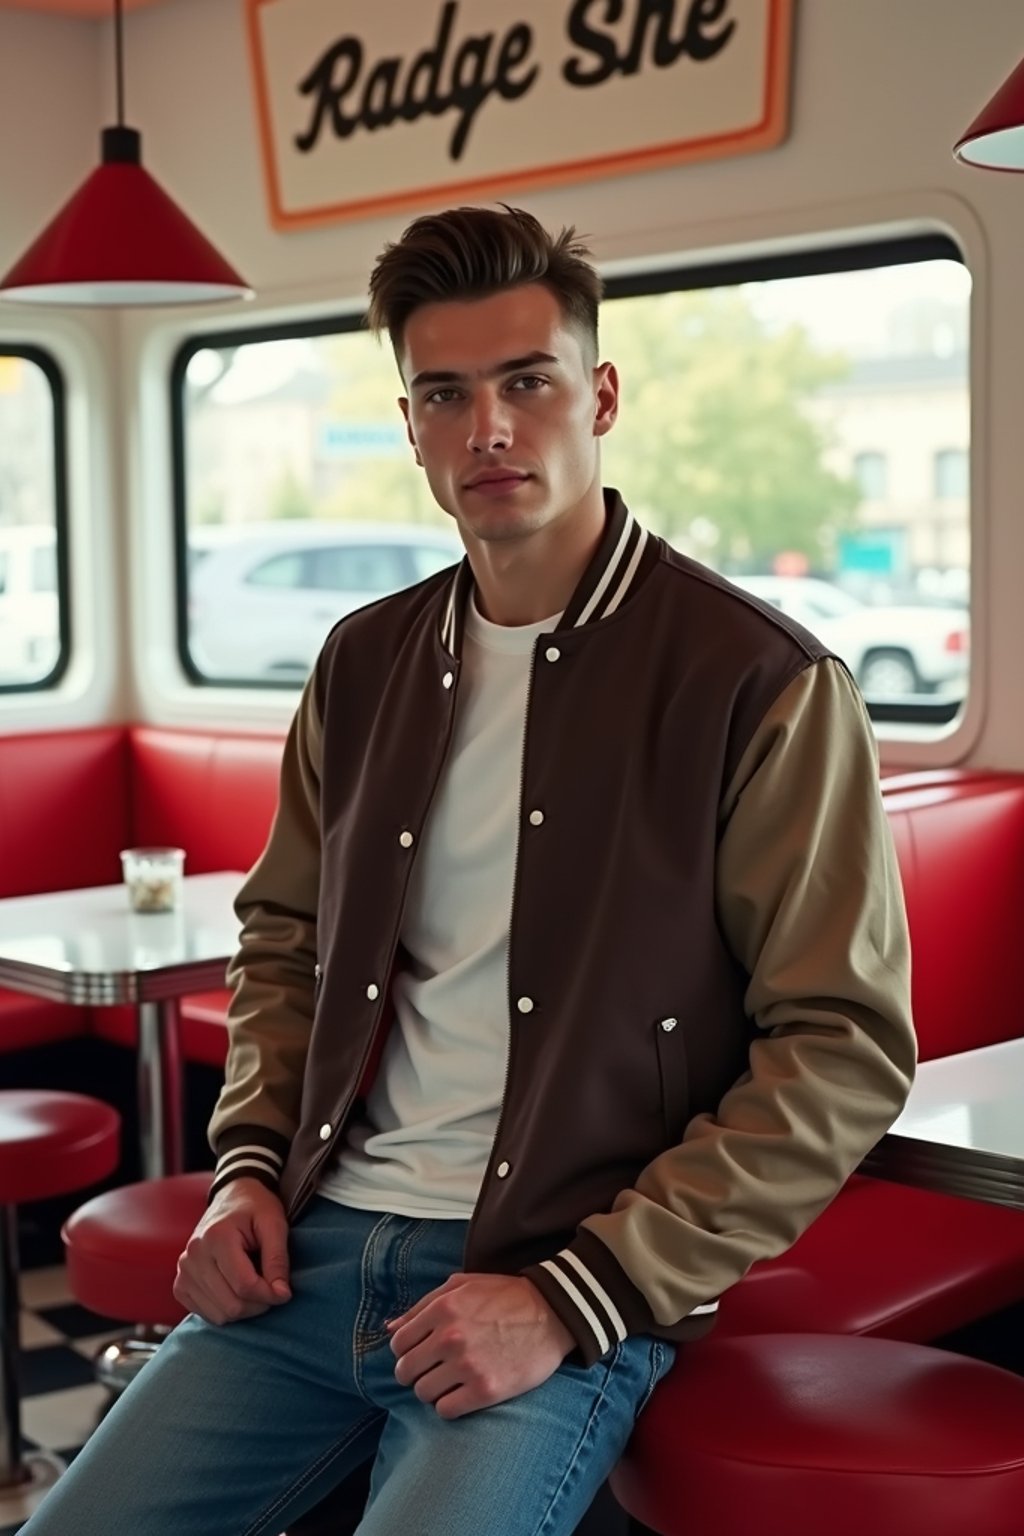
x=374 y=105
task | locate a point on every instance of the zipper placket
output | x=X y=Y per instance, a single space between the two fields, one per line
x=508 y=953
x=308 y=1182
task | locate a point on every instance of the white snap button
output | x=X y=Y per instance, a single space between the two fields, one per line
x=325 y=1133
x=448 y=679
x=553 y=653
x=406 y=839
x=668 y=1025
x=525 y=1005
x=504 y=1169
x=373 y=991
x=536 y=818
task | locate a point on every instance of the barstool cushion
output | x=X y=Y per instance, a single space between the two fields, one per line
x=52 y=1143
x=122 y=1247
x=800 y=1434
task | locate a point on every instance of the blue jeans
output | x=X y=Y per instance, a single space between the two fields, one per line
x=236 y=1431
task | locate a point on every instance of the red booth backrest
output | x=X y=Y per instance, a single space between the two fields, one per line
x=212 y=795
x=960 y=843
x=64 y=809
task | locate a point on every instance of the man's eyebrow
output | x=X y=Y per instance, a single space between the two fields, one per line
x=510 y=365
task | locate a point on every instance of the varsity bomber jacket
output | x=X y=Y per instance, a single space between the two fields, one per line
x=708 y=978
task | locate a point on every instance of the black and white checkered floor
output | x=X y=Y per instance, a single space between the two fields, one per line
x=61 y=1400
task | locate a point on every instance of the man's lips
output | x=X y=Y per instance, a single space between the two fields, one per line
x=497 y=477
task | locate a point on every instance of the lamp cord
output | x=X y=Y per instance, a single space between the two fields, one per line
x=119 y=57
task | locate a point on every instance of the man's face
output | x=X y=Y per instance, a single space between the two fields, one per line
x=505 y=411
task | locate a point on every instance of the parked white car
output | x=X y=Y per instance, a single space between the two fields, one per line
x=892 y=651
x=29 y=618
x=262 y=597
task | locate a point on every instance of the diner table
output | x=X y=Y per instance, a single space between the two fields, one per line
x=88 y=947
x=961 y=1131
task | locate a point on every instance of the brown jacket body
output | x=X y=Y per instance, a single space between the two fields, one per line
x=708 y=964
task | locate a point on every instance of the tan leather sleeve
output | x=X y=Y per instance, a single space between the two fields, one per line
x=810 y=901
x=273 y=973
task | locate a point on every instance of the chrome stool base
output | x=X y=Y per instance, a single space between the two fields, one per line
x=118 y=1363
x=37 y=1473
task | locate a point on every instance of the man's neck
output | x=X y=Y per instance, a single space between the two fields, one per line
x=521 y=581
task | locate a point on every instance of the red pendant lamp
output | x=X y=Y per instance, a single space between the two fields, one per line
x=996 y=137
x=121 y=240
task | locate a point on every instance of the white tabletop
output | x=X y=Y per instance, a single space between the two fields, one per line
x=962 y=1130
x=87 y=946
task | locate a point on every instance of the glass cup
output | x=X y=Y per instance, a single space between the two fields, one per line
x=153 y=878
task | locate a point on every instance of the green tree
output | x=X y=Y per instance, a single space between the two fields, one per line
x=718 y=446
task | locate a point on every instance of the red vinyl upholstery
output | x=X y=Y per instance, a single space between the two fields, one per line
x=802 y=1434
x=961 y=850
x=53 y=1143
x=214 y=796
x=64 y=817
x=887 y=1260
x=122 y=1247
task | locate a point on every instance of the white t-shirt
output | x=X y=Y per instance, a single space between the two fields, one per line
x=431 y=1115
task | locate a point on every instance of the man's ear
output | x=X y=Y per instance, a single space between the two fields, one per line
x=403 y=406
x=606 y=398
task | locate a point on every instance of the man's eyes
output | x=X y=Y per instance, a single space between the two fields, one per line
x=524 y=383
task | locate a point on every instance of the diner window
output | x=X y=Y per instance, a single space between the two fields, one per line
x=33 y=574
x=774 y=417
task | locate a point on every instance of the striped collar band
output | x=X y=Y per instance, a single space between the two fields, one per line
x=612 y=574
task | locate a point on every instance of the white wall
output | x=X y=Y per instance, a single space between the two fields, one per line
x=51 y=111
x=881 y=89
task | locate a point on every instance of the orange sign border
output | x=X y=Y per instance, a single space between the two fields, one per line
x=768 y=132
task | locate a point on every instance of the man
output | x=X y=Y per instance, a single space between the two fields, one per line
x=573 y=979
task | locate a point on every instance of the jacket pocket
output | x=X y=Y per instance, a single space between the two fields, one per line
x=670 y=1046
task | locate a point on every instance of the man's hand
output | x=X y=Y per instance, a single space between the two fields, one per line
x=477 y=1340
x=217 y=1276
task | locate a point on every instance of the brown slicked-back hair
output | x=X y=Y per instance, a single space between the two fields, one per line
x=472 y=253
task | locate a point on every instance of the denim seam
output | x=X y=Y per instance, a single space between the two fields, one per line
x=658 y=1353
x=363 y=1339
x=402 y=1259
x=322 y=1461
x=586 y=1435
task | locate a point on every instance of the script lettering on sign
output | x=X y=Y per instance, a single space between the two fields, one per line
x=488 y=97
x=444 y=77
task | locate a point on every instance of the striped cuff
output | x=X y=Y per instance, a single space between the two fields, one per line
x=249 y=1152
x=592 y=1295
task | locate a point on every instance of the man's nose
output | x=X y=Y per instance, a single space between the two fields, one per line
x=490 y=430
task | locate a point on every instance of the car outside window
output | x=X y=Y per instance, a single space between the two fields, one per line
x=282 y=571
x=360 y=568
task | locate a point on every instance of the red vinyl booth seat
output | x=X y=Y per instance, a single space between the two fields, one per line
x=806 y=1435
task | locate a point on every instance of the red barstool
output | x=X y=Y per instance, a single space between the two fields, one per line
x=50 y=1144
x=122 y=1254
x=799 y=1434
